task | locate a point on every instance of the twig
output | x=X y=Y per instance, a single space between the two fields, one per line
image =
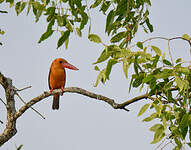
x=31 y=106
x=1 y=122
x=2 y=101
x=162 y=38
x=161 y=143
x=169 y=52
x=18 y=90
x=165 y=145
x=3 y=11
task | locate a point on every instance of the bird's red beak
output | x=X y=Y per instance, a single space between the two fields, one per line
x=69 y=66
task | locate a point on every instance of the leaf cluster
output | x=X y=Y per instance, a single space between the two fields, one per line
x=123 y=18
x=168 y=84
x=169 y=88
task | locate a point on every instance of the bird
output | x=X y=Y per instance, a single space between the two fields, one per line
x=57 y=78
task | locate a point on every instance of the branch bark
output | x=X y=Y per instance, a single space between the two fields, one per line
x=10 y=129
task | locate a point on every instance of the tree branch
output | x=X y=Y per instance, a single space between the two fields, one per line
x=81 y=91
x=13 y=115
x=70 y=90
x=162 y=38
x=10 y=129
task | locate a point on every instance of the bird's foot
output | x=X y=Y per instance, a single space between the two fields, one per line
x=62 y=89
x=51 y=91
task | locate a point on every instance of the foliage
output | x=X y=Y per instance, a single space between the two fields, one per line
x=168 y=83
x=67 y=16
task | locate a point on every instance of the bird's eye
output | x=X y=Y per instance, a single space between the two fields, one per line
x=60 y=61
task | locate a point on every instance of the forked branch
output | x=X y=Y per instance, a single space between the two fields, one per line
x=13 y=114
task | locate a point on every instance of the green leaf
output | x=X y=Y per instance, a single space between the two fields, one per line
x=84 y=20
x=109 y=20
x=136 y=68
x=51 y=24
x=155 y=127
x=143 y=109
x=125 y=67
x=117 y=37
x=157 y=50
x=46 y=35
x=148 y=78
x=166 y=62
x=155 y=61
x=158 y=107
x=1 y=1
x=148 y=2
x=2 y=32
x=138 y=80
x=104 y=56
x=11 y=2
x=63 y=38
x=183 y=70
x=163 y=56
x=96 y=68
x=184 y=121
x=159 y=135
x=29 y=6
x=179 y=82
x=96 y=3
x=69 y=26
x=66 y=43
x=179 y=60
x=101 y=76
x=78 y=31
x=19 y=7
x=186 y=36
x=94 y=38
x=164 y=74
x=131 y=82
x=151 y=117
x=164 y=119
x=37 y=5
x=140 y=45
x=105 y=5
x=150 y=26
x=110 y=64
x=178 y=142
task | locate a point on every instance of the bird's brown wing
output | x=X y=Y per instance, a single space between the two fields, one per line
x=49 y=79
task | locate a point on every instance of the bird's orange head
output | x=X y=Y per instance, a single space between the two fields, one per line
x=62 y=63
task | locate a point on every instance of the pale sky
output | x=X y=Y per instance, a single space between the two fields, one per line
x=81 y=123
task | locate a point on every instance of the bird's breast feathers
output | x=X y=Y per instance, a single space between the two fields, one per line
x=57 y=78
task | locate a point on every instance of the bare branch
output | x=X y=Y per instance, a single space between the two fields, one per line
x=81 y=91
x=2 y=101
x=170 y=54
x=18 y=90
x=162 y=38
x=71 y=90
x=31 y=106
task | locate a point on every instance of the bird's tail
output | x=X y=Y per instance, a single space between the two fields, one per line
x=55 y=104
